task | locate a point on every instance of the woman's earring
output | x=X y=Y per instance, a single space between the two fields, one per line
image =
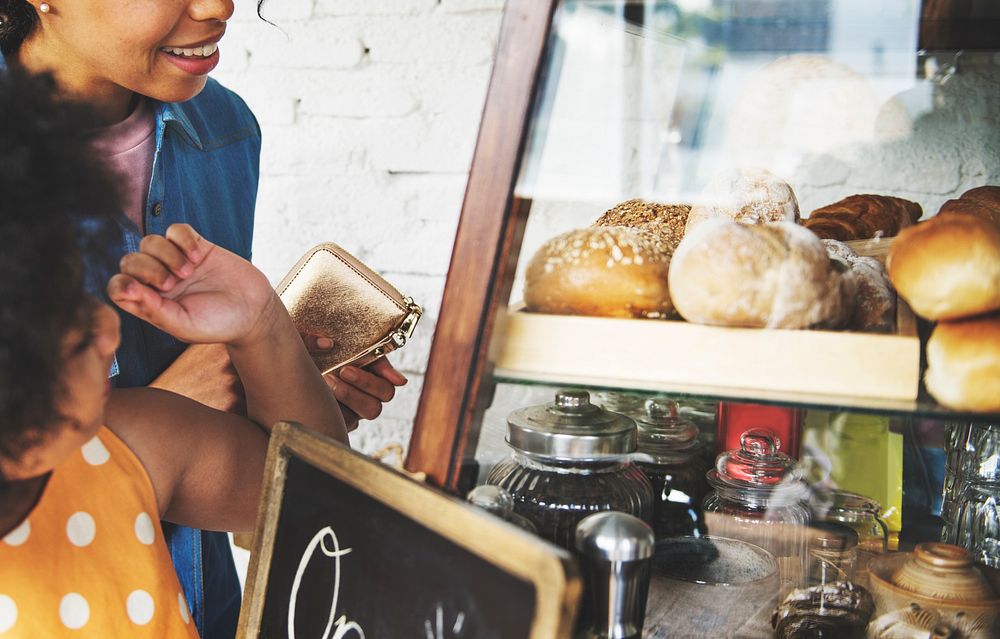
x=44 y=7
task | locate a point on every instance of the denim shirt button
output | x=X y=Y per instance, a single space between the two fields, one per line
x=157 y=208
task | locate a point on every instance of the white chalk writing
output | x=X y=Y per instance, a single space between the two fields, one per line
x=343 y=626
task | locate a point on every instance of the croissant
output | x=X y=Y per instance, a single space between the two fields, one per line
x=859 y=217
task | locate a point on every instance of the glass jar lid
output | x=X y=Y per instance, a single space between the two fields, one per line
x=758 y=463
x=662 y=432
x=571 y=429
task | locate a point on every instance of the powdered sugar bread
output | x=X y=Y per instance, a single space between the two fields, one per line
x=766 y=275
x=875 y=306
x=747 y=196
x=608 y=271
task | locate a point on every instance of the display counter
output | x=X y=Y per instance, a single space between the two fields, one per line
x=767 y=234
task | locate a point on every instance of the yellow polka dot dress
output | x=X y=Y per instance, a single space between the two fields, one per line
x=90 y=559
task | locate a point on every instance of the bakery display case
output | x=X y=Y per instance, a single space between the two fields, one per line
x=750 y=248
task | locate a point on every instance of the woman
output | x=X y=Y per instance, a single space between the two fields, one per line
x=86 y=471
x=187 y=151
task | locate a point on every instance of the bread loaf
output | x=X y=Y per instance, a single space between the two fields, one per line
x=963 y=364
x=948 y=267
x=875 y=305
x=767 y=275
x=747 y=196
x=986 y=195
x=967 y=206
x=667 y=221
x=860 y=217
x=608 y=271
x=982 y=201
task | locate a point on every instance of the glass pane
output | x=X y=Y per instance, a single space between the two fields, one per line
x=658 y=100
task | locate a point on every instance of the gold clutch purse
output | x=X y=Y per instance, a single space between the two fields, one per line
x=330 y=293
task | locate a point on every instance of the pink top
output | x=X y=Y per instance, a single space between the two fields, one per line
x=128 y=148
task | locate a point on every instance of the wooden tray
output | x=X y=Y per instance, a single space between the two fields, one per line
x=669 y=356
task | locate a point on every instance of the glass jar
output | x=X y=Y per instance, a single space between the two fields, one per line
x=833 y=553
x=628 y=404
x=570 y=459
x=976 y=522
x=671 y=456
x=499 y=503
x=861 y=514
x=756 y=497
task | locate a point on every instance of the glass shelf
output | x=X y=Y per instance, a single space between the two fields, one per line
x=923 y=408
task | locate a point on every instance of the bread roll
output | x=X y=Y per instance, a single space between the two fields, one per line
x=875 y=305
x=964 y=206
x=609 y=271
x=860 y=217
x=948 y=267
x=747 y=196
x=667 y=221
x=986 y=195
x=963 y=364
x=765 y=275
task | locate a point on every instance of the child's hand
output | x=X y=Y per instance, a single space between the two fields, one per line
x=194 y=290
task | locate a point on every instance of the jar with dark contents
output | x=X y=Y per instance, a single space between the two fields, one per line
x=756 y=497
x=672 y=456
x=570 y=459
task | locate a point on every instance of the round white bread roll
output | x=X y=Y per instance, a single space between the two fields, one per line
x=747 y=196
x=609 y=271
x=948 y=267
x=765 y=275
x=875 y=306
x=963 y=364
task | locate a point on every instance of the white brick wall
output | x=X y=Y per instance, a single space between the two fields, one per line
x=369 y=110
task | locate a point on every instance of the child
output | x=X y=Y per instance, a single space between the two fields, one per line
x=86 y=472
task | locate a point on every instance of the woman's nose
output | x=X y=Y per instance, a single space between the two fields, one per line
x=206 y=10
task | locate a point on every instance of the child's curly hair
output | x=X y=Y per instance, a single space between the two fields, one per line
x=57 y=218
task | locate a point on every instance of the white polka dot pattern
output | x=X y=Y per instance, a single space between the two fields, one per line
x=74 y=611
x=185 y=614
x=145 y=532
x=140 y=607
x=94 y=452
x=8 y=613
x=81 y=529
x=19 y=535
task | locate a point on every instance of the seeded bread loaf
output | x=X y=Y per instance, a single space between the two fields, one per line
x=666 y=221
x=608 y=271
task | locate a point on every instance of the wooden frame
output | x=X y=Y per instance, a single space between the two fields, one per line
x=550 y=570
x=482 y=262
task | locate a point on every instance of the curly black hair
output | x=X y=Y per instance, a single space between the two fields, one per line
x=58 y=217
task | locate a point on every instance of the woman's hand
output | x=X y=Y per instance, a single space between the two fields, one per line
x=363 y=391
x=194 y=290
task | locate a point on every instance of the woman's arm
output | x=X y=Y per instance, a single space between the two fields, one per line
x=202 y=293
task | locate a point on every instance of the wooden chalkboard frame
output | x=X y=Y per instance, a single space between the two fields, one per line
x=551 y=571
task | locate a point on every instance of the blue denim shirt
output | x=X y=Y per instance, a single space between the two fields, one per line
x=205 y=173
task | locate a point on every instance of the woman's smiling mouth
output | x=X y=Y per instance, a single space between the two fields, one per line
x=204 y=51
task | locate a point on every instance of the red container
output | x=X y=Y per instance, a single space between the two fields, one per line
x=732 y=420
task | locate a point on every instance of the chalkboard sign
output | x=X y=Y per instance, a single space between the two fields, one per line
x=348 y=548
